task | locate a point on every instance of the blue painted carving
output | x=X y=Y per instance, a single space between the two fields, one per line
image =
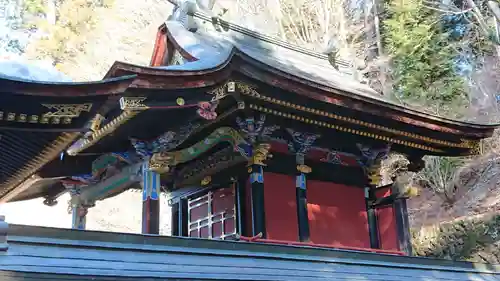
x=370 y=156
x=301 y=143
x=300 y=181
x=165 y=142
x=253 y=130
x=150 y=183
x=257 y=176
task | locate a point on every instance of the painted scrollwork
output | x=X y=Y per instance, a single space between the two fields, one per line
x=333 y=157
x=108 y=164
x=162 y=162
x=205 y=166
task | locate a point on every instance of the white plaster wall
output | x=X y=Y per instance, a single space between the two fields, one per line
x=121 y=213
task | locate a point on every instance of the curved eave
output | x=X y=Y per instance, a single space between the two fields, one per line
x=154 y=78
x=109 y=86
x=39 y=120
x=364 y=103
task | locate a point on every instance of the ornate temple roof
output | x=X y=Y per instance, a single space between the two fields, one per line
x=195 y=56
x=40 y=119
x=193 y=50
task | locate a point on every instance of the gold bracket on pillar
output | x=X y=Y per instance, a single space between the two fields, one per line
x=259 y=155
x=304 y=169
x=372 y=161
x=206 y=181
x=374 y=176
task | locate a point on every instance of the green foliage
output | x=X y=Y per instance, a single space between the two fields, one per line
x=422 y=57
x=76 y=19
x=439 y=175
x=34 y=7
x=462 y=240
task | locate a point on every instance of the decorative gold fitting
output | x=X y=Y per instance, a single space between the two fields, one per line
x=133 y=103
x=96 y=123
x=304 y=169
x=66 y=110
x=206 y=180
x=260 y=154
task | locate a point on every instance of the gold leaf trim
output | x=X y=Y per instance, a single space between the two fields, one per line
x=247 y=90
x=342 y=129
x=104 y=131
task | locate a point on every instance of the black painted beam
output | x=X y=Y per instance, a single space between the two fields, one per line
x=183 y=217
x=403 y=225
x=174 y=218
x=240 y=205
x=303 y=219
x=372 y=218
x=258 y=211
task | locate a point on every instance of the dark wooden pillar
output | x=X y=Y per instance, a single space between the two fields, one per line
x=150 y=201
x=300 y=145
x=403 y=225
x=372 y=218
x=240 y=205
x=258 y=207
x=182 y=218
x=174 y=219
x=301 y=198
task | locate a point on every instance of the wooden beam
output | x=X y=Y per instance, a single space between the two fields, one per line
x=301 y=199
x=403 y=226
x=372 y=218
x=150 y=201
x=240 y=206
x=258 y=207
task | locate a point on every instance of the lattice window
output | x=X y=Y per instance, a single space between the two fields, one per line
x=212 y=215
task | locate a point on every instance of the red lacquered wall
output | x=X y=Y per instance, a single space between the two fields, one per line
x=387 y=224
x=337 y=214
x=281 y=207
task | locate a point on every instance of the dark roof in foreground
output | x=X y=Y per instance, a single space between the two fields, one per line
x=38 y=253
x=39 y=120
